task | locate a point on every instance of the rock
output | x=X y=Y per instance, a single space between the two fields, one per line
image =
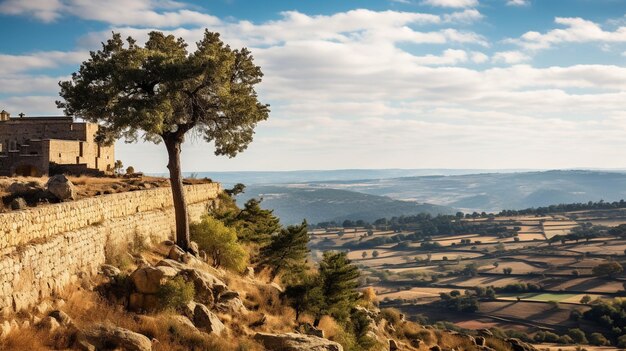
x=480 y=341
x=18 y=204
x=296 y=342
x=168 y=272
x=189 y=309
x=193 y=248
x=147 y=280
x=308 y=329
x=109 y=271
x=20 y=188
x=231 y=305
x=176 y=253
x=393 y=345
x=61 y=317
x=519 y=345
x=42 y=308
x=188 y=258
x=435 y=348
x=61 y=187
x=484 y=332
x=182 y=321
x=49 y=324
x=205 y=284
x=173 y=264
x=110 y=337
x=227 y=295
x=207 y=320
x=84 y=345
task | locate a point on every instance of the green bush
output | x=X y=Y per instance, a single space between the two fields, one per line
x=598 y=339
x=221 y=244
x=175 y=293
x=578 y=336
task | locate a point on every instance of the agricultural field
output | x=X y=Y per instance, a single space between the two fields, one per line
x=550 y=255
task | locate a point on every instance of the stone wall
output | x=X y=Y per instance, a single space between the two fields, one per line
x=44 y=249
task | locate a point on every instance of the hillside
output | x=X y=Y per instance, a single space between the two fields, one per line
x=492 y=192
x=294 y=203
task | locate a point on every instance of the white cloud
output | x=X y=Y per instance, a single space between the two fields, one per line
x=479 y=57
x=518 y=2
x=467 y=16
x=162 y=13
x=43 y=10
x=510 y=57
x=324 y=75
x=451 y=3
x=577 y=30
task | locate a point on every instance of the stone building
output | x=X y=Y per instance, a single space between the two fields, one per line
x=35 y=146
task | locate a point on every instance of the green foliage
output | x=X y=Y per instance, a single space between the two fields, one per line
x=578 y=336
x=359 y=326
x=608 y=269
x=598 y=339
x=339 y=284
x=455 y=301
x=175 y=293
x=220 y=242
x=306 y=296
x=162 y=89
x=621 y=341
x=585 y=299
x=255 y=224
x=287 y=250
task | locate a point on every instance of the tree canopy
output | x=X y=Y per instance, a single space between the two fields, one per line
x=160 y=91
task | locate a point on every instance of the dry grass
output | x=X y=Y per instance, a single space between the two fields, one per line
x=24 y=339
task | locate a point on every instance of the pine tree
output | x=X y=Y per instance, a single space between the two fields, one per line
x=287 y=250
x=339 y=285
x=306 y=296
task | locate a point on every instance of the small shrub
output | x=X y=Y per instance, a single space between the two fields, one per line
x=392 y=315
x=221 y=243
x=116 y=254
x=176 y=293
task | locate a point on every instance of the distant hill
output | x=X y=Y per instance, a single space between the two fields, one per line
x=294 y=203
x=493 y=192
x=276 y=177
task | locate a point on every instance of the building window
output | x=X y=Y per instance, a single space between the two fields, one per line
x=13 y=145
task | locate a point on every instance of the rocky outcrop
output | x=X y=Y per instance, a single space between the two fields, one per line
x=147 y=280
x=105 y=337
x=296 y=342
x=207 y=320
x=61 y=187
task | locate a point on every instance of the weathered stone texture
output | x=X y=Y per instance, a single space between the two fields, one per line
x=45 y=248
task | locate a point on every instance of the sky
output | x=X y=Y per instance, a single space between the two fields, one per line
x=481 y=84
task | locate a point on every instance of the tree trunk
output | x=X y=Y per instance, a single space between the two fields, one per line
x=178 y=192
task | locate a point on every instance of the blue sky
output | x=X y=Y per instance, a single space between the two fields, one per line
x=368 y=84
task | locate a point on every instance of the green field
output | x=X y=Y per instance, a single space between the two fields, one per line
x=542 y=297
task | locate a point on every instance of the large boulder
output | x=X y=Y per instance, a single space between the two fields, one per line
x=148 y=279
x=206 y=285
x=296 y=342
x=61 y=187
x=207 y=320
x=106 y=337
x=21 y=188
x=230 y=302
